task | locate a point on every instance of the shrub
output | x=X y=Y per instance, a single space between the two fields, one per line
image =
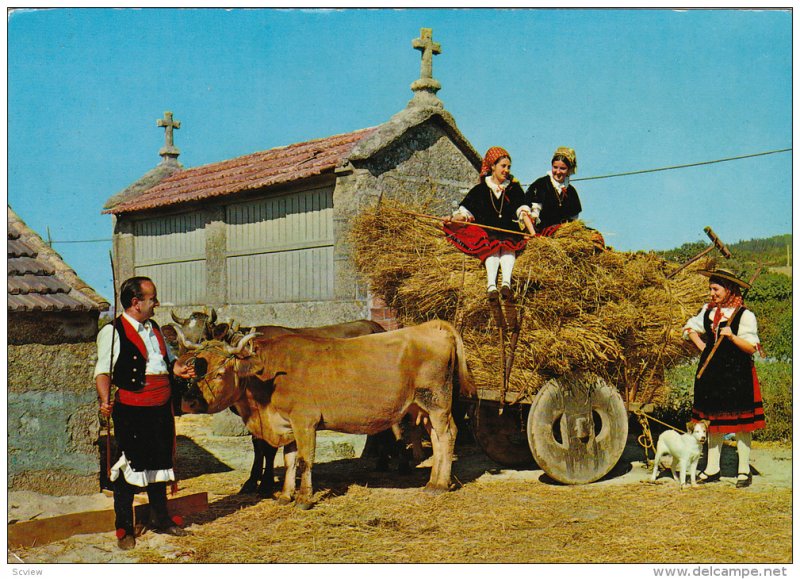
x=770 y=286
x=775 y=327
x=775 y=378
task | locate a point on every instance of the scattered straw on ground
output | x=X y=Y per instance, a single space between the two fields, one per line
x=519 y=522
x=612 y=313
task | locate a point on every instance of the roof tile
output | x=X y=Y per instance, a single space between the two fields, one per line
x=38 y=279
x=247 y=173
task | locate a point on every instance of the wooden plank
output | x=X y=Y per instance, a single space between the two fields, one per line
x=43 y=531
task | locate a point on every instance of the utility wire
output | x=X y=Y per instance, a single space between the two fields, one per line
x=671 y=168
x=82 y=241
x=682 y=166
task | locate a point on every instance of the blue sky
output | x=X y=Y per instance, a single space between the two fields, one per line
x=627 y=89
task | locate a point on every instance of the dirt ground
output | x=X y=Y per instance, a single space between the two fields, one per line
x=494 y=515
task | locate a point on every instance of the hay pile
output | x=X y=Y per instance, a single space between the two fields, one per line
x=611 y=313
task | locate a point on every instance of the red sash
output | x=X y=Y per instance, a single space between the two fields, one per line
x=156 y=392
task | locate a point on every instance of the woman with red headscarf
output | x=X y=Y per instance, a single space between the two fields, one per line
x=499 y=202
x=727 y=393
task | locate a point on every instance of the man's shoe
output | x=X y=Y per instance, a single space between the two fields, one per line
x=173 y=530
x=744 y=482
x=125 y=540
x=167 y=527
x=506 y=292
x=493 y=294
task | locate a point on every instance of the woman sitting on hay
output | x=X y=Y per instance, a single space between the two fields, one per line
x=496 y=201
x=552 y=199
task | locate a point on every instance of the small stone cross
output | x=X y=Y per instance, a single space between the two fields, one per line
x=428 y=47
x=169 y=125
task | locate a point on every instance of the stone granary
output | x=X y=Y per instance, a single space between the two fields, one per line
x=263 y=238
x=52 y=404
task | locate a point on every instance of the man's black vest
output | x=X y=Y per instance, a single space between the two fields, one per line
x=129 y=370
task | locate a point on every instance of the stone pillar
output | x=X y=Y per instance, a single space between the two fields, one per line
x=123 y=249
x=216 y=269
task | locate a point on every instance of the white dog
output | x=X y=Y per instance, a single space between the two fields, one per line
x=685 y=450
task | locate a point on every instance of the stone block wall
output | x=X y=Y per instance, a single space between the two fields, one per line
x=53 y=426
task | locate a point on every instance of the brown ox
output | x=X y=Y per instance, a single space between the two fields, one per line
x=200 y=326
x=287 y=388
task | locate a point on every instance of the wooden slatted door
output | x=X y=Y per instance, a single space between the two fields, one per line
x=280 y=249
x=171 y=251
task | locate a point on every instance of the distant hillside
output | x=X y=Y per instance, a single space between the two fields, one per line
x=771 y=252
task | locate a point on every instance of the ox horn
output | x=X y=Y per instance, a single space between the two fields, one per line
x=213 y=315
x=178 y=320
x=183 y=341
x=239 y=346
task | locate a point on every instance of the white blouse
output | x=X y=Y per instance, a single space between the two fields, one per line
x=748 y=327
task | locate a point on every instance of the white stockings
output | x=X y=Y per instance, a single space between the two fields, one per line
x=743 y=443
x=503 y=260
x=714 y=452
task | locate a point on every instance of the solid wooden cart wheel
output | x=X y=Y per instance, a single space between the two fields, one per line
x=501 y=436
x=577 y=428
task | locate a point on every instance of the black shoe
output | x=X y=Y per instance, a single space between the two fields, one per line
x=493 y=294
x=125 y=540
x=506 y=292
x=709 y=478
x=166 y=527
x=744 y=482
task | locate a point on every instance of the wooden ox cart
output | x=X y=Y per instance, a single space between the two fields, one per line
x=575 y=428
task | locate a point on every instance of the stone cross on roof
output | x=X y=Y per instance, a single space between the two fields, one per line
x=426 y=87
x=169 y=152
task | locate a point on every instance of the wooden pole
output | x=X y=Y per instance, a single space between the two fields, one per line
x=442 y=219
x=730 y=321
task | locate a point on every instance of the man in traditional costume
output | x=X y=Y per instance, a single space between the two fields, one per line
x=499 y=202
x=133 y=356
x=727 y=393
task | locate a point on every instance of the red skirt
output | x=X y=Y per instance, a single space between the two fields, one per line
x=742 y=421
x=478 y=242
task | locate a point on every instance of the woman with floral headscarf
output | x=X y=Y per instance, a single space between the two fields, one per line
x=552 y=199
x=727 y=393
x=499 y=202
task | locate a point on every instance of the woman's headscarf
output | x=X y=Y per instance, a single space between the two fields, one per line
x=490 y=158
x=568 y=156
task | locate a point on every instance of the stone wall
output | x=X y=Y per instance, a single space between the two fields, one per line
x=423 y=168
x=53 y=426
x=51 y=327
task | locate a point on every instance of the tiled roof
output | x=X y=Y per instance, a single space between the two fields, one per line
x=247 y=173
x=39 y=280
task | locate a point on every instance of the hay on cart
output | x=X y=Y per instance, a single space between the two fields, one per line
x=614 y=314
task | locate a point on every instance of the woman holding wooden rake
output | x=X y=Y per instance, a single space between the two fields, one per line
x=726 y=390
x=498 y=202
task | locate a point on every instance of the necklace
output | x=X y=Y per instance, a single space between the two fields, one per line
x=497 y=210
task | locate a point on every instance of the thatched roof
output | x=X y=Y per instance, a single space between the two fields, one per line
x=39 y=280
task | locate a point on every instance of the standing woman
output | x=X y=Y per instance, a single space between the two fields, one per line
x=497 y=201
x=552 y=199
x=727 y=393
